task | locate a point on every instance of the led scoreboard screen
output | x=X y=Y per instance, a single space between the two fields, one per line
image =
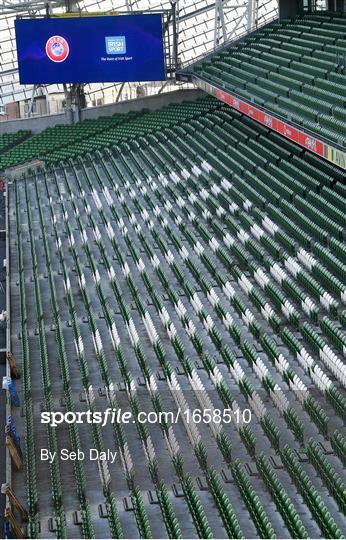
x=120 y=48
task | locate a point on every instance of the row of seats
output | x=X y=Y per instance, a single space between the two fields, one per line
x=328 y=474
x=259 y=515
x=31 y=481
x=310 y=495
x=172 y=524
x=319 y=345
x=338 y=442
x=281 y=498
x=334 y=333
x=310 y=403
x=230 y=519
x=320 y=378
x=196 y=509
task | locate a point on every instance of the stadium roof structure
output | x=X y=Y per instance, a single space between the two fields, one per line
x=201 y=26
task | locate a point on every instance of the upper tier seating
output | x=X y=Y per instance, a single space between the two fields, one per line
x=8 y=140
x=63 y=141
x=294 y=68
x=59 y=136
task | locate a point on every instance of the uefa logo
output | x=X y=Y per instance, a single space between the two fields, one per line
x=57 y=49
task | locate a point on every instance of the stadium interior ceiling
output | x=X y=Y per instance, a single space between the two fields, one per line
x=201 y=26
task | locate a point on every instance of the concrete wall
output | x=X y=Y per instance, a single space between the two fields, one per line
x=35 y=124
x=149 y=102
x=39 y=123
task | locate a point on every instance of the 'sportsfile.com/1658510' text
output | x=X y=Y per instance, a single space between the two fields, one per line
x=119 y=416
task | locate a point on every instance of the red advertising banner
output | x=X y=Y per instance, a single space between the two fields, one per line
x=290 y=132
x=253 y=113
x=311 y=143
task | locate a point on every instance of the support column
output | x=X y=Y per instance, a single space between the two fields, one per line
x=68 y=105
x=32 y=99
x=220 y=26
x=251 y=14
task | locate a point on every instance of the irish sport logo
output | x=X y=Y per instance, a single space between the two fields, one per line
x=57 y=49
